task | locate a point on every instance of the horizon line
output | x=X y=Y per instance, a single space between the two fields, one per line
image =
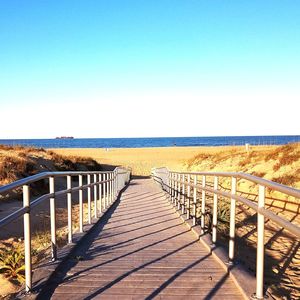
x=157 y=137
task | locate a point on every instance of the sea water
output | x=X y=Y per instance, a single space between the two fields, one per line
x=154 y=142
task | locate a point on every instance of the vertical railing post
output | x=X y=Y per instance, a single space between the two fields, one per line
x=232 y=221
x=169 y=184
x=52 y=219
x=111 y=187
x=80 y=204
x=175 y=189
x=107 y=190
x=260 y=245
x=69 y=205
x=183 y=194
x=89 y=192
x=117 y=182
x=195 y=199
x=203 y=205
x=100 y=192
x=215 y=212
x=179 y=192
x=27 y=239
x=95 y=197
x=172 y=187
x=104 y=191
x=188 y=197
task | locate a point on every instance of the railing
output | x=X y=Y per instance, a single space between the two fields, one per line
x=179 y=185
x=107 y=186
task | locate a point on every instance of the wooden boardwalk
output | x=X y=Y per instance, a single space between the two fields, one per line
x=143 y=251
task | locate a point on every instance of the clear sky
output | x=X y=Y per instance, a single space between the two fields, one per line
x=111 y=68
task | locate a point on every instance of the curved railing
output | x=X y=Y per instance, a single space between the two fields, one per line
x=106 y=187
x=180 y=185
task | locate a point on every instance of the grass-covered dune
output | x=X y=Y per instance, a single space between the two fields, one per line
x=282 y=254
x=17 y=162
x=278 y=163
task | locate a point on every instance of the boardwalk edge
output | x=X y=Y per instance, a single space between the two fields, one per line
x=42 y=274
x=244 y=281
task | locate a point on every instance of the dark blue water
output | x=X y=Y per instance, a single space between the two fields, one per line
x=154 y=142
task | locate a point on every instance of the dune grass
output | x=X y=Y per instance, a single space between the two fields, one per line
x=17 y=162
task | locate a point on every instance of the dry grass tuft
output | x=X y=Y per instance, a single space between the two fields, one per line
x=13 y=168
x=258 y=174
x=21 y=148
x=289 y=180
x=63 y=163
x=282 y=151
x=199 y=158
x=289 y=158
x=245 y=162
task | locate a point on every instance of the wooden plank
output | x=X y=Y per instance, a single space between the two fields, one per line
x=150 y=284
x=143 y=251
x=144 y=291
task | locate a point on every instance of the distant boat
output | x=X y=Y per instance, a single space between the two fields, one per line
x=64 y=137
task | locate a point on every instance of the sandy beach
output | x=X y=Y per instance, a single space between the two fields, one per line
x=141 y=160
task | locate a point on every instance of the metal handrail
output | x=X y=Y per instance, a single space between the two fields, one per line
x=107 y=186
x=178 y=185
x=269 y=214
x=43 y=175
x=267 y=183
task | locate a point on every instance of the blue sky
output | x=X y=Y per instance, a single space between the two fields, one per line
x=85 y=62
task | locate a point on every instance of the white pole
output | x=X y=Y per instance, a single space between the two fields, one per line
x=27 y=239
x=183 y=194
x=107 y=190
x=232 y=220
x=260 y=245
x=104 y=191
x=169 y=183
x=215 y=212
x=52 y=220
x=188 y=197
x=116 y=192
x=111 y=187
x=117 y=182
x=100 y=193
x=179 y=192
x=176 y=192
x=69 y=204
x=195 y=200
x=89 y=199
x=172 y=187
x=116 y=187
x=80 y=204
x=95 y=197
x=203 y=205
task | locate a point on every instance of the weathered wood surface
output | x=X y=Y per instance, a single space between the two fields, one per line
x=142 y=252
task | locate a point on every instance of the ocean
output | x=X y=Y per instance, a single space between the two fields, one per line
x=153 y=142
